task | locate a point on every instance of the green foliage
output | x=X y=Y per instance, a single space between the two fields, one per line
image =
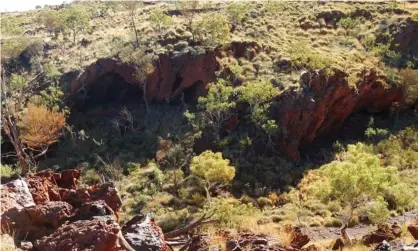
x=212 y=168
x=7 y=171
x=348 y=23
x=76 y=18
x=10 y=25
x=377 y=211
x=218 y=98
x=237 y=11
x=356 y=180
x=11 y=48
x=159 y=19
x=258 y=94
x=369 y=42
x=400 y=150
x=409 y=84
x=415 y=16
x=376 y=134
x=303 y=55
x=51 y=20
x=230 y=212
x=213 y=29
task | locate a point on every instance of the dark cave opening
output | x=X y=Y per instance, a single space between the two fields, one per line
x=112 y=89
x=191 y=94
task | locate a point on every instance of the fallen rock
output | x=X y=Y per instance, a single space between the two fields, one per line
x=143 y=234
x=97 y=234
x=36 y=221
x=250 y=241
x=338 y=244
x=413 y=229
x=299 y=239
x=15 y=194
x=385 y=232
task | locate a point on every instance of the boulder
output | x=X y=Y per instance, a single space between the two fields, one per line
x=143 y=234
x=385 y=232
x=97 y=234
x=15 y=194
x=299 y=239
x=36 y=221
x=413 y=229
x=251 y=241
x=338 y=244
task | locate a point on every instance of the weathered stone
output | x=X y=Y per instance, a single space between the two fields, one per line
x=97 y=234
x=413 y=229
x=15 y=194
x=385 y=232
x=143 y=234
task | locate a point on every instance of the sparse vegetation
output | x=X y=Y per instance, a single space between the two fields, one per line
x=230 y=108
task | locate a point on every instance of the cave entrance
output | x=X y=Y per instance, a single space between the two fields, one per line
x=191 y=94
x=112 y=89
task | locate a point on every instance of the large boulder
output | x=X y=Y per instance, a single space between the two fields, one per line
x=15 y=194
x=48 y=210
x=97 y=234
x=413 y=229
x=385 y=232
x=36 y=221
x=143 y=234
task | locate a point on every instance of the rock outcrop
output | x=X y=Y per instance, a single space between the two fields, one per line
x=173 y=74
x=405 y=37
x=46 y=211
x=385 y=232
x=143 y=234
x=325 y=105
x=413 y=229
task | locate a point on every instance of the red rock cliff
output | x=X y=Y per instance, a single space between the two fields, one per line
x=326 y=104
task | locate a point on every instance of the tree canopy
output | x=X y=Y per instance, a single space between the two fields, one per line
x=212 y=168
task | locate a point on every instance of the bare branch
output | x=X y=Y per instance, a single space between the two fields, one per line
x=203 y=220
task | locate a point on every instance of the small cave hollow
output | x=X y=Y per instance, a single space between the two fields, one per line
x=191 y=94
x=112 y=89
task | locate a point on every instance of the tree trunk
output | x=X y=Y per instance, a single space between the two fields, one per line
x=134 y=26
x=207 y=188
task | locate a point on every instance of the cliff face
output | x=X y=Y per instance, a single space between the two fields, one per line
x=172 y=75
x=326 y=105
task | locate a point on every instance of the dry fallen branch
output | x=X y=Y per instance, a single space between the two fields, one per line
x=203 y=220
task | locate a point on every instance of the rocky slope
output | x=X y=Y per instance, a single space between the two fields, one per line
x=326 y=104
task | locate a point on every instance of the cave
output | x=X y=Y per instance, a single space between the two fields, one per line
x=112 y=89
x=191 y=94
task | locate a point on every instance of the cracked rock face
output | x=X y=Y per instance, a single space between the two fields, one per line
x=15 y=194
x=143 y=234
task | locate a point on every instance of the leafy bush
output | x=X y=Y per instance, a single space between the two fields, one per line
x=237 y=11
x=356 y=180
x=348 y=23
x=7 y=171
x=212 y=168
x=41 y=127
x=230 y=212
x=302 y=55
x=415 y=16
x=213 y=29
x=159 y=19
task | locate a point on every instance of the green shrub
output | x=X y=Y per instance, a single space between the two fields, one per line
x=180 y=45
x=237 y=11
x=348 y=23
x=90 y=177
x=229 y=211
x=332 y=222
x=415 y=16
x=7 y=171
